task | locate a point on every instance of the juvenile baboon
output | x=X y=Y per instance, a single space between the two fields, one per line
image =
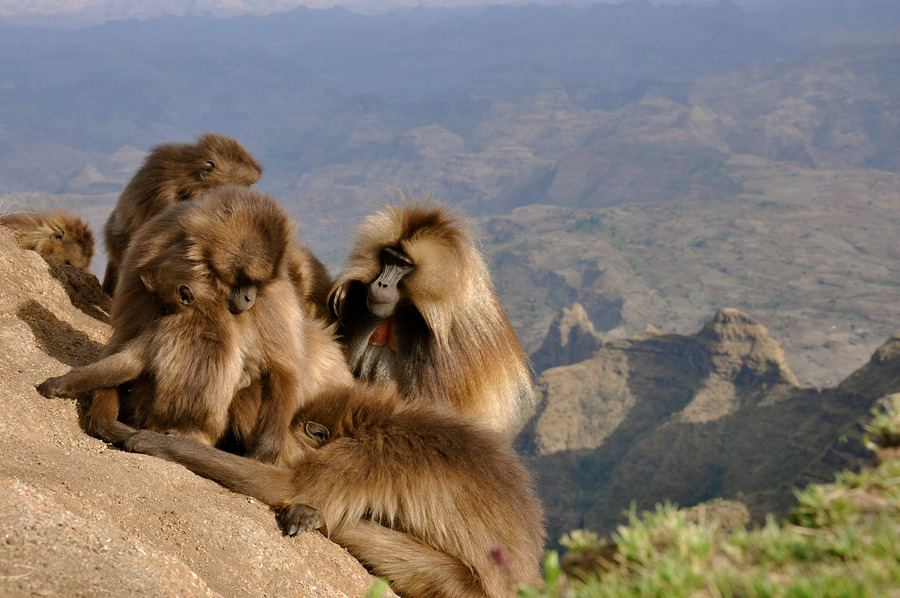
x=59 y=235
x=208 y=331
x=203 y=368
x=173 y=172
x=420 y=495
x=416 y=305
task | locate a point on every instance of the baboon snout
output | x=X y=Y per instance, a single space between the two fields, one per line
x=242 y=299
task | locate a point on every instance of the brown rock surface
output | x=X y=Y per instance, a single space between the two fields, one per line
x=584 y=403
x=82 y=518
x=571 y=339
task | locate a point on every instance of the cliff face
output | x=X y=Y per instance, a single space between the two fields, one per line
x=690 y=418
x=82 y=518
x=571 y=339
x=653 y=377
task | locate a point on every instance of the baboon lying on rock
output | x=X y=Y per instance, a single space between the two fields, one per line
x=421 y=496
x=59 y=235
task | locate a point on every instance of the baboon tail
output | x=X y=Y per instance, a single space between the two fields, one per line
x=102 y=417
x=413 y=567
x=112 y=431
x=272 y=485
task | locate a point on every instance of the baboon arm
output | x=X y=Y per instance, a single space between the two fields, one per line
x=272 y=485
x=414 y=567
x=276 y=411
x=109 y=372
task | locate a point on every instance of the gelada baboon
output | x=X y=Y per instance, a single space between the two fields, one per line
x=59 y=235
x=173 y=172
x=416 y=305
x=208 y=330
x=424 y=497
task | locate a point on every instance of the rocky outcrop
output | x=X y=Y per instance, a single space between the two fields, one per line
x=571 y=339
x=717 y=414
x=702 y=377
x=739 y=349
x=133 y=525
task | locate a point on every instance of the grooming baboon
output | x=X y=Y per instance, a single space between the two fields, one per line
x=420 y=495
x=59 y=235
x=173 y=172
x=416 y=305
x=208 y=330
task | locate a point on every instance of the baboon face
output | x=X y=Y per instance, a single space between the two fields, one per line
x=73 y=248
x=386 y=293
x=241 y=269
x=220 y=160
x=242 y=247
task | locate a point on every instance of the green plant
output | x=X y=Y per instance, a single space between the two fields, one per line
x=885 y=424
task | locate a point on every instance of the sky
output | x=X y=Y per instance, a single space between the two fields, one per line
x=105 y=9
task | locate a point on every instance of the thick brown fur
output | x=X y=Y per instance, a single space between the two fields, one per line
x=171 y=173
x=205 y=369
x=422 y=496
x=59 y=235
x=454 y=342
x=311 y=280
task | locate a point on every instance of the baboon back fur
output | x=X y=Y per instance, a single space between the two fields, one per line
x=419 y=494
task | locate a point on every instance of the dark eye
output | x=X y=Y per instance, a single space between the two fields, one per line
x=210 y=164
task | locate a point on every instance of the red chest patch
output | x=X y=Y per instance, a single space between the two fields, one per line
x=384 y=335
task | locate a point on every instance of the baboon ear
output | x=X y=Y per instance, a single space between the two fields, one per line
x=58 y=234
x=185 y=294
x=208 y=167
x=318 y=432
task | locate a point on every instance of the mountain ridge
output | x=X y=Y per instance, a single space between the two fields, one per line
x=686 y=419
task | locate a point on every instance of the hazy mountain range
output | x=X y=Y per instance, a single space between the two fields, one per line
x=84 y=12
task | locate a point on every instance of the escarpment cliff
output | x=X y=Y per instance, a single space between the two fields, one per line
x=690 y=418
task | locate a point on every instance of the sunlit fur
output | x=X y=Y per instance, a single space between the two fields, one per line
x=454 y=340
x=59 y=235
x=199 y=370
x=173 y=172
x=417 y=493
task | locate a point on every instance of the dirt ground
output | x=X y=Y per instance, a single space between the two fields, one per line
x=81 y=518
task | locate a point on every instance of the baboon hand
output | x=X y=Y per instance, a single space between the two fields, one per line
x=52 y=387
x=298 y=518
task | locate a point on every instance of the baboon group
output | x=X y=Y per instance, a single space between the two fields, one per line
x=378 y=408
